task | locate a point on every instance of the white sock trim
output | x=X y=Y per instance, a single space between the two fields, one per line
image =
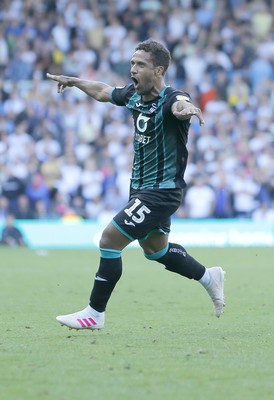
x=205 y=279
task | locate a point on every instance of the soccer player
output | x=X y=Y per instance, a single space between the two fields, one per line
x=161 y=117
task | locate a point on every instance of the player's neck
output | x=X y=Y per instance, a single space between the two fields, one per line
x=155 y=91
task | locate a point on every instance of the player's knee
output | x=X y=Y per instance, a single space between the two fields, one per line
x=155 y=255
x=112 y=238
x=106 y=241
x=147 y=250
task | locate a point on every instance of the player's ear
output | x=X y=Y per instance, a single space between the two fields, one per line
x=159 y=70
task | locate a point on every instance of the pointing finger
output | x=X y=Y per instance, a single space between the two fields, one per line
x=53 y=77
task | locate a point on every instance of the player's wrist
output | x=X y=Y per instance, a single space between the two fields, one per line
x=73 y=81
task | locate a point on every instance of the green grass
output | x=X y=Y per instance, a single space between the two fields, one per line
x=161 y=339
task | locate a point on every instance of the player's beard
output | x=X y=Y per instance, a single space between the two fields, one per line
x=144 y=88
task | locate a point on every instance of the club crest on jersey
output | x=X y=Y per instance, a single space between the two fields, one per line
x=141 y=123
x=153 y=108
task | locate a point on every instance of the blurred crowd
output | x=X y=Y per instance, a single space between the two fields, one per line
x=68 y=156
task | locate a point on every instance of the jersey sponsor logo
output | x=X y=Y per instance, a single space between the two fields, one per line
x=141 y=123
x=142 y=138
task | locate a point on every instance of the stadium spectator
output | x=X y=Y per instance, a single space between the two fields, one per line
x=36 y=189
x=244 y=191
x=59 y=204
x=41 y=212
x=23 y=209
x=223 y=196
x=46 y=147
x=51 y=172
x=4 y=50
x=12 y=188
x=4 y=208
x=20 y=143
x=71 y=174
x=78 y=207
x=11 y=235
x=264 y=213
x=91 y=181
x=199 y=199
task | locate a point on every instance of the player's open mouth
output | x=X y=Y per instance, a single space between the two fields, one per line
x=135 y=81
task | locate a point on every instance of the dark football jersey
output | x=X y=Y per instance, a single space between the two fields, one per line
x=160 y=153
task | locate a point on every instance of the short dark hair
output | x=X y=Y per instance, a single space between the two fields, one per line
x=159 y=53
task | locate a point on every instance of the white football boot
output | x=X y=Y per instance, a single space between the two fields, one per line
x=215 y=288
x=85 y=319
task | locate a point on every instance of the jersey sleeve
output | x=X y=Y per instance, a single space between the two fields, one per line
x=177 y=95
x=121 y=95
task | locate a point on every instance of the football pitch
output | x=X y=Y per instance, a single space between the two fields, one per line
x=161 y=339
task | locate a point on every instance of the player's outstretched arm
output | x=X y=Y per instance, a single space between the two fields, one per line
x=183 y=110
x=98 y=90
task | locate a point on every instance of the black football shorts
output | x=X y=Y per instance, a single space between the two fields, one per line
x=148 y=210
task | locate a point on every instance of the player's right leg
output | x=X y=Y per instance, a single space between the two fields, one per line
x=110 y=270
x=84 y=319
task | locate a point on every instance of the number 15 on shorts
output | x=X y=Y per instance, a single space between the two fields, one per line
x=136 y=212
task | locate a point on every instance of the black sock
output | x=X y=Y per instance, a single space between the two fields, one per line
x=108 y=274
x=179 y=261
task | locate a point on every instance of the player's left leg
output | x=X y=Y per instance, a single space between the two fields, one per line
x=176 y=259
x=173 y=256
